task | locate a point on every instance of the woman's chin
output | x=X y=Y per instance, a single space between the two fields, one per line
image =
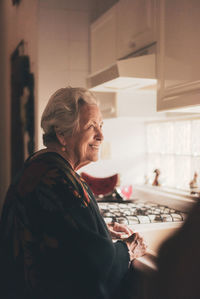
x=95 y=158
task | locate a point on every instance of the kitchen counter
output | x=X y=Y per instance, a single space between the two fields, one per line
x=147 y=262
x=154 y=235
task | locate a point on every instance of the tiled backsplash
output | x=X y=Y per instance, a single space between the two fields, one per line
x=174 y=148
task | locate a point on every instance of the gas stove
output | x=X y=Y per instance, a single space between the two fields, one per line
x=137 y=212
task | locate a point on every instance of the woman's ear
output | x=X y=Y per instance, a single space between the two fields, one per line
x=61 y=138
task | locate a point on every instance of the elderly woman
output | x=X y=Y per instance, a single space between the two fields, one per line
x=55 y=244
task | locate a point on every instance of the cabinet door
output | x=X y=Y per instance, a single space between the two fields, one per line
x=178 y=54
x=103 y=41
x=136 y=24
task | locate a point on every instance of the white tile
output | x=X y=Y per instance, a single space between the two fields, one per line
x=78 y=78
x=50 y=81
x=54 y=55
x=51 y=3
x=69 y=4
x=84 y=5
x=79 y=55
x=54 y=24
x=79 y=26
x=46 y=3
x=62 y=22
x=46 y=24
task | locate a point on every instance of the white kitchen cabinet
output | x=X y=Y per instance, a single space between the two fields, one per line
x=136 y=25
x=127 y=26
x=178 y=62
x=103 y=40
x=107 y=104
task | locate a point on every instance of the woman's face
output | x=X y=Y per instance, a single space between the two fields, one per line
x=84 y=145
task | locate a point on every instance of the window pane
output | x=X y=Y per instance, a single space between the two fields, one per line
x=174 y=148
x=167 y=170
x=195 y=137
x=182 y=172
x=182 y=140
x=167 y=138
x=153 y=138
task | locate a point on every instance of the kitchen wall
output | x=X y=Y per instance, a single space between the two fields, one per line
x=63 y=45
x=17 y=23
x=63 y=52
x=56 y=33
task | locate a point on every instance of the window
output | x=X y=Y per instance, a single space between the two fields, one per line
x=174 y=148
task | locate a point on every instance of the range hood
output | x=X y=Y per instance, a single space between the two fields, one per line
x=131 y=73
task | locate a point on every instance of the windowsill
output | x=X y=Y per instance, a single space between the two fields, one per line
x=174 y=198
x=177 y=192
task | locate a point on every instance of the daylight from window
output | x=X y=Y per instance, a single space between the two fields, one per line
x=173 y=147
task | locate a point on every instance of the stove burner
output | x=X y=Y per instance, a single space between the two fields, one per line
x=139 y=212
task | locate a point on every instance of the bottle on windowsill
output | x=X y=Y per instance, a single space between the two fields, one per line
x=156 y=179
x=193 y=184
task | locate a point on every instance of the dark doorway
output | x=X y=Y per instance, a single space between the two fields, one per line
x=22 y=109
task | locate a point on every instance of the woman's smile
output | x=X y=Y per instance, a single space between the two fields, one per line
x=95 y=147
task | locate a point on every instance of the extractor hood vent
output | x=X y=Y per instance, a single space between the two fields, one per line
x=126 y=74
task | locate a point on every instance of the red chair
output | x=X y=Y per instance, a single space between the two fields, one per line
x=101 y=186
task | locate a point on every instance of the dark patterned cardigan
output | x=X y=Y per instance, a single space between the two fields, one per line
x=54 y=242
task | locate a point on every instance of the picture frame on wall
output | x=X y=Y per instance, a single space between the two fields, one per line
x=22 y=108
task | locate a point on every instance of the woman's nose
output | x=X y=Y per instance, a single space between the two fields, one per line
x=99 y=134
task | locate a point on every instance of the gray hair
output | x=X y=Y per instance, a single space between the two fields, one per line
x=61 y=114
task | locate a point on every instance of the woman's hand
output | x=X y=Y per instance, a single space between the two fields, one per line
x=119 y=231
x=136 y=246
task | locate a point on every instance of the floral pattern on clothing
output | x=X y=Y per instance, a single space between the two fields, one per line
x=53 y=239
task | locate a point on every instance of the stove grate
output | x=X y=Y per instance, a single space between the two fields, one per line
x=139 y=212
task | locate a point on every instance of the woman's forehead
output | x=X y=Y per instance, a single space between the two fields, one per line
x=90 y=112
